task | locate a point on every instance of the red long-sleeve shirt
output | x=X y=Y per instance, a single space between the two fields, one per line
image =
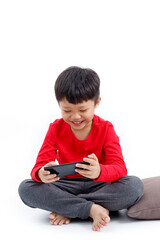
x=60 y=143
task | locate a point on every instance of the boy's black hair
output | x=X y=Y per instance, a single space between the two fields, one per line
x=77 y=85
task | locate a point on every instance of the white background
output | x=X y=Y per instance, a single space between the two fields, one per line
x=39 y=39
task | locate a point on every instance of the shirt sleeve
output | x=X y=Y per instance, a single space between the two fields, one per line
x=113 y=166
x=47 y=152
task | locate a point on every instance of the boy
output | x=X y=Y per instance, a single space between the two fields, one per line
x=81 y=135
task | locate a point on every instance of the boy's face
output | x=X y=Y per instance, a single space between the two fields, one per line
x=78 y=116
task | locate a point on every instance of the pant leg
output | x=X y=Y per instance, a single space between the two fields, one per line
x=60 y=197
x=116 y=195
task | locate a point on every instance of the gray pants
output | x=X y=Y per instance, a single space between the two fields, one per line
x=73 y=197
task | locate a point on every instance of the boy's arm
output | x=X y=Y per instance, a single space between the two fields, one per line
x=46 y=154
x=112 y=166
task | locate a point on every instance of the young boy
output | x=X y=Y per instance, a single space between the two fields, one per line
x=81 y=135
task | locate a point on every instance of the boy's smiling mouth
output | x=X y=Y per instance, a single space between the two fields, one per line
x=77 y=123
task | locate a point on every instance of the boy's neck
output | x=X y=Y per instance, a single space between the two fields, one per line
x=83 y=133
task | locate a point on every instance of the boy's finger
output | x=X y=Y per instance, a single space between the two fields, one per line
x=51 y=176
x=84 y=166
x=46 y=172
x=93 y=156
x=89 y=160
x=50 y=164
x=82 y=172
x=52 y=180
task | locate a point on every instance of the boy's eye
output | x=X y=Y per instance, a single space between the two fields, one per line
x=67 y=111
x=83 y=110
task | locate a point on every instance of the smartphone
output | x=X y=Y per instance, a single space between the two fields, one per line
x=63 y=170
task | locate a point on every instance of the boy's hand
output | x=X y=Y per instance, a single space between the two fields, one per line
x=45 y=176
x=93 y=170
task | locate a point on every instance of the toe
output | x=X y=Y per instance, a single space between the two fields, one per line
x=94 y=227
x=52 y=221
x=100 y=226
x=106 y=220
x=67 y=221
x=52 y=215
x=61 y=222
x=56 y=222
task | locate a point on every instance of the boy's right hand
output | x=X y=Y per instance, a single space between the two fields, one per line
x=45 y=176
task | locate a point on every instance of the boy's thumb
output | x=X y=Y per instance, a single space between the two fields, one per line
x=51 y=164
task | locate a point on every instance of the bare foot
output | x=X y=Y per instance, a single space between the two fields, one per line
x=100 y=216
x=57 y=219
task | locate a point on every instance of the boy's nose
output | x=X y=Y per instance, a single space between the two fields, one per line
x=76 y=117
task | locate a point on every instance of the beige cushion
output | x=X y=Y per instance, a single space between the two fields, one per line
x=149 y=205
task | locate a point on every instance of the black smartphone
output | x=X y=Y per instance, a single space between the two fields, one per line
x=63 y=170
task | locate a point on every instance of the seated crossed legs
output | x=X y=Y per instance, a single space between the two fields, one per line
x=82 y=198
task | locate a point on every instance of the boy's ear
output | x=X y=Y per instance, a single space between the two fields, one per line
x=98 y=102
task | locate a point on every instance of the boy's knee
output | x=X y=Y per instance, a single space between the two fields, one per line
x=25 y=190
x=135 y=188
x=22 y=189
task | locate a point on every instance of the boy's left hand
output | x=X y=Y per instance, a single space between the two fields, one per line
x=93 y=170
